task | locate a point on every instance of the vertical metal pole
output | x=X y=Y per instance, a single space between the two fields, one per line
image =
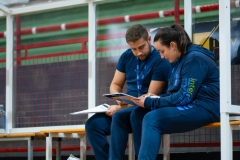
x=188 y=17
x=225 y=78
x=83 y=147
x=9 y=73
x=91 y=55
x=131 y=152
x=18 y=37
x=58 y=149
x=166 y=147
x=176 y=12
x=49 y=147
x=30 y=149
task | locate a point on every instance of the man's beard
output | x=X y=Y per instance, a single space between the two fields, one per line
x=144 y=56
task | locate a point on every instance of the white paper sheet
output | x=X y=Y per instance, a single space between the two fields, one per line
x=98 y=109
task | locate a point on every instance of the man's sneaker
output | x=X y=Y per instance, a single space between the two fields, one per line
x=72 y=157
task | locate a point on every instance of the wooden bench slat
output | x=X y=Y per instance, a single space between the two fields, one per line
x=217 y=124
x=40 y=134
x=29 y=134
x=77 y=130
x=234 y=122
x=12 y=135
x=3 y=135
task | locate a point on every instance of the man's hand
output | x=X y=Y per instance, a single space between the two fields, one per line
x=112 y=109
x=122 y=104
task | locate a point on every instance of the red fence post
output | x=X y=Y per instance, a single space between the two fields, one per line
x=18 y=38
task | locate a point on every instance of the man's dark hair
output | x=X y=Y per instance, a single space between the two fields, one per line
x=176 y=34
x=135 y=32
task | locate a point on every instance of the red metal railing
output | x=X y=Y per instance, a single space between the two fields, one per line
x=76 y=148
x=123 y=19
x=41 y=149
x=82 y=41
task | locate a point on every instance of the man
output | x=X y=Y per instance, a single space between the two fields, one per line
x=142 y=68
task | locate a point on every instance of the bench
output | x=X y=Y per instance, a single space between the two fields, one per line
x=80 y=133
x=166 y=137
x=24 y=137
x=75 y=133
x=49 y=135
x=64 y=133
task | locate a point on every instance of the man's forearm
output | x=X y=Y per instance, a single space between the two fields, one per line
x=115 y=88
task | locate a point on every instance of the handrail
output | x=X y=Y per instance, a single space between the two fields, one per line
x=81 y=40
x=122 y=19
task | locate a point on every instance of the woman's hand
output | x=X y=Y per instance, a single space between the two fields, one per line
x=139 y=101
x=112 y=109
x=149 y=95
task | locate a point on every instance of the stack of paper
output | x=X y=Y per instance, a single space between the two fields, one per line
x=98 y=109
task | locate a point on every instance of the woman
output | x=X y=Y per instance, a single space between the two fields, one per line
x=192 y=100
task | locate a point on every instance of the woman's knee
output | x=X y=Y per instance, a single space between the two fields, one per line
x=158 y=119
x=150 y=119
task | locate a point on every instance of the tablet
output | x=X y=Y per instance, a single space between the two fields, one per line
x=121 y=97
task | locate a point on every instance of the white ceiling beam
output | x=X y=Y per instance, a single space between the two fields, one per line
x=31 y=8
x=5 y=9
x=10 y=2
